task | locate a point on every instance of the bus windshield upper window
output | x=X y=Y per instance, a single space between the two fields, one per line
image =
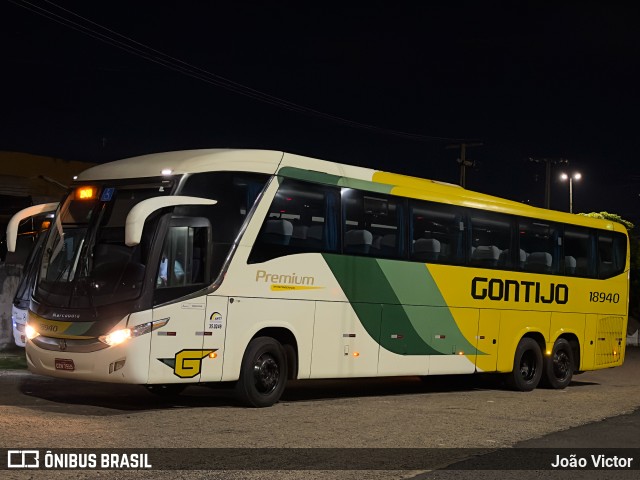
x=91 y=253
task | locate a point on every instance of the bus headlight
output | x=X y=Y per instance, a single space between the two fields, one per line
x=30 y=332
x=119 y=336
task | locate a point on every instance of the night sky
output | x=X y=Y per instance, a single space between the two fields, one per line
x=387 y=85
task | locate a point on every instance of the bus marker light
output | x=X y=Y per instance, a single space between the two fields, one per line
x=460 y=353
x=356 y=354
x=213 y=355
x=166 y=171
x=548 y=353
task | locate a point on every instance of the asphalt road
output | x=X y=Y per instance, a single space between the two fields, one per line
x=451 y=414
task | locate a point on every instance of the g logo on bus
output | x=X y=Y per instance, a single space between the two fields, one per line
x=187 y=363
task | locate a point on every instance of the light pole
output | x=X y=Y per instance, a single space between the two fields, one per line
x=571 y=178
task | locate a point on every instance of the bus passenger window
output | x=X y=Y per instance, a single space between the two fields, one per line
x=491 y=240
x=539 y=246
x=612 y=252
x=373 y=224
x=578 y=259
x=437 y=233
x=302 y=218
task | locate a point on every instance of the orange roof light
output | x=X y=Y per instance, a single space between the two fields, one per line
x=86 y=193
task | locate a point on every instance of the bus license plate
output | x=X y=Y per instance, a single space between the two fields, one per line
x=65 y=364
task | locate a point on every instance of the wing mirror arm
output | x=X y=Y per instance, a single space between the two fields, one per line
x=14 y=223
x=141 y=211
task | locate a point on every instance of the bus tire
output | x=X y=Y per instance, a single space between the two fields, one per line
x=263 y=373
x=527 y=366
x=559 y=366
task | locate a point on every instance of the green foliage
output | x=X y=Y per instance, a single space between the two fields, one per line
x=611 y=217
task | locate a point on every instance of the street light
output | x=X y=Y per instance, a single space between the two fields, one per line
x=571 y=178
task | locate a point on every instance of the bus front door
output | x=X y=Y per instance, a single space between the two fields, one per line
x=178 y=348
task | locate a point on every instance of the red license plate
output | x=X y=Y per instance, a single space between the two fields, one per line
x=65 y=364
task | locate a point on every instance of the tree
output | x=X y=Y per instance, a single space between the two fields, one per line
x=611 y=217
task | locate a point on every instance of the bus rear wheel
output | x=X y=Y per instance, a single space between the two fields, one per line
x=263 y=373
x=559 y=366
x=527 y=366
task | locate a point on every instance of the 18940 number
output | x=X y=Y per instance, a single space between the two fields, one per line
x=603 y=297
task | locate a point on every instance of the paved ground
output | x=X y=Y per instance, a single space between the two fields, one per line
x=460 y=412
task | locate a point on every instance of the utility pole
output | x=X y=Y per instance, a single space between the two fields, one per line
x=547 y=182
x=464 y=163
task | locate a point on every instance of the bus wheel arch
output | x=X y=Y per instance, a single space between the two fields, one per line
x=560 y=364
x=527 y=363
x=265 y=367
x=288 y=341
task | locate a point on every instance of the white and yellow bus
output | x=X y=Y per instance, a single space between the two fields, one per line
x=256 y=267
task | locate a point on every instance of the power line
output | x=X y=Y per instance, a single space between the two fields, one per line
x=139 y=49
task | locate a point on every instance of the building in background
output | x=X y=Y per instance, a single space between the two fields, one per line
x=25 y=180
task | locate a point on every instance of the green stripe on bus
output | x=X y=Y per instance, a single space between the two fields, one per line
x=328 y=179
x=399 y=305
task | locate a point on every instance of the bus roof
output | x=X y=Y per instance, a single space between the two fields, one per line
x=297 y=166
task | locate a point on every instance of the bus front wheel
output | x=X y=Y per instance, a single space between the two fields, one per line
x=263 y=373
x=558 y=367
x=527 y=366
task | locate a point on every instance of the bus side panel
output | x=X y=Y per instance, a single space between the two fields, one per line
x=587 y=359
x=405 y=334
x=176 y=348
x=567 y=323
x=488 y=334
x=215 y=325
x=515 y=324
x=247 y=316
x=455 y=342
x=342 y=347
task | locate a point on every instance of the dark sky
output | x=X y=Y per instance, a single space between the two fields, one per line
x=555 y=81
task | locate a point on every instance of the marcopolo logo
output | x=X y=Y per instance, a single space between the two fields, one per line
x=518 y=291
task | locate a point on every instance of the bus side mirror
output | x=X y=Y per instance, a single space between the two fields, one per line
x=14 y=223
x=140 y=212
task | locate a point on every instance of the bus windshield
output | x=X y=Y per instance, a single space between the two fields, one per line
x=85 y=262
